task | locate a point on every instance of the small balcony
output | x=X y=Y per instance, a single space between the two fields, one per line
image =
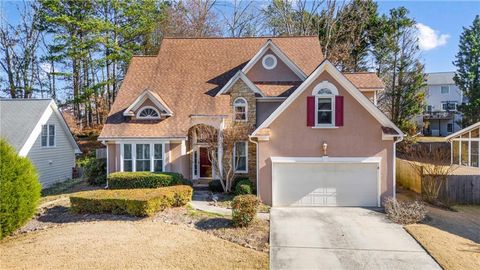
x=440 y=115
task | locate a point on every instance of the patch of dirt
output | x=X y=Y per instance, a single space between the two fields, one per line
x=450 y=251
x=255 y=236
x=120 y=245
x=462 y=220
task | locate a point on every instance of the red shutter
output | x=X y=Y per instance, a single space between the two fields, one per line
x=310 y=111
x=338 y=111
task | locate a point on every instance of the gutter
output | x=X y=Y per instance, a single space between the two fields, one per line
x=256 y=163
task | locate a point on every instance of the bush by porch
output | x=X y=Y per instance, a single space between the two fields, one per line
x=128 y=180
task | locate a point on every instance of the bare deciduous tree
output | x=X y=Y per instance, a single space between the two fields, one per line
x=227 y=138
x=240 y=18
x=433 y=166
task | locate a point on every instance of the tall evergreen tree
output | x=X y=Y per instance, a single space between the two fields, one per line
x=397 y=56
x=467 y=76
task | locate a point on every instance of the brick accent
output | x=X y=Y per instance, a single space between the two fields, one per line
x=240 y=89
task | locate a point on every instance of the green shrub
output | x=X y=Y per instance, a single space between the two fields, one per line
x=215 y=186
x=243 y=187
x=187 y=182
x=121 y=180
x=134 y=202
x=19 y=189
x=244 y=209
x=94 y=170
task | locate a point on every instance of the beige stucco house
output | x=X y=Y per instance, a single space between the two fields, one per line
x=318 y=138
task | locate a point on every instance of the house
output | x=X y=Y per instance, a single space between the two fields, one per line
x=441 y=117
x=465 y=146
x=37 y=130
x=319 y=139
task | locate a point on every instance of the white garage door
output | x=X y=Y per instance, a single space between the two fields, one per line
x=325 y=182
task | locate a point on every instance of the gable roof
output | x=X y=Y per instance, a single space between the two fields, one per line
x=188 y=73
x=21 y=119
x=365 y=81
x=147 y=94
x=240 y=76
x=342 y=80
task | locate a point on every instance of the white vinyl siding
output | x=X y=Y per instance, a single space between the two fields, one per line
x=54 y=164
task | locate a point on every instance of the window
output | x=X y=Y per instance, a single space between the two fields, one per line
x=455 y=152
x=269 y=61
x=148 y=112
x=127 y=158
x=474 y=153
x=449 y=106
x=158 y=158
x=240 y=157
x=324 y=111
x=48 y=135
x=325 y=93
x=195 y=163
x=240 y=109
x=444 y=89
x=450 y=127
x=143 y=157
x=142 y=163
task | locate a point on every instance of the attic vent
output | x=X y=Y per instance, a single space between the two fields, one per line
x=269 y=61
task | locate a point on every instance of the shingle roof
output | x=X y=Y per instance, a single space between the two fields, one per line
x=187 y=73
x=280 y=89
x=18 y=118
x=440 y=78
x=365 y=81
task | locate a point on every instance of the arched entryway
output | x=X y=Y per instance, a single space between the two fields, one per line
x=201 y=137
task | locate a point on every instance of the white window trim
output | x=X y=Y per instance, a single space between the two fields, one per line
x=235 y=158
x=448 y=89
x=264 y=60
x=134 y=154
x=148 y=117
x=334 y=92
x=245 y=105
x=48 y=136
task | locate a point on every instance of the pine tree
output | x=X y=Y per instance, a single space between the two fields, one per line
x=397 y=57
x=467 y=76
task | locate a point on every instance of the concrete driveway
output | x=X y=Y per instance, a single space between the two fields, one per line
x=341 y=238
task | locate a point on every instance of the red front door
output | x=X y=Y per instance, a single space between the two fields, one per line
x=205 y=164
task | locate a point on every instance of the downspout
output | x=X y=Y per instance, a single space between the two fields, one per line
x=106 y=150
x=395 y=165
x=256 y=163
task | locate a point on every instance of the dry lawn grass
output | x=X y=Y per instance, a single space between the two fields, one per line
x=450 y=251
x=125 y=245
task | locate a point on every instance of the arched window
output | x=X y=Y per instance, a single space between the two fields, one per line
x=325 y=93
x=240 y=109
x=148 y=112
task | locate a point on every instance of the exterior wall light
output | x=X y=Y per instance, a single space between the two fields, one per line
x=324 y=147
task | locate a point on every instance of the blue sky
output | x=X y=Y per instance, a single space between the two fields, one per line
x=440 y=25
x=445 y=18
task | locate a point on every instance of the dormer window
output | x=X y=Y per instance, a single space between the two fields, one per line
x=240 y=109
x=148 y=112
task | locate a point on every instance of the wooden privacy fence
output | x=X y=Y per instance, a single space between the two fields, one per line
x=460 y=187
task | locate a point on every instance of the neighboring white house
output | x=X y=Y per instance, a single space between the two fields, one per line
x=441 y=117
x=37 y=130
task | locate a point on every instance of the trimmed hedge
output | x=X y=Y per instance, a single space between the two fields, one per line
x=244 y=210
x=124 y=180
x=134 y=202
x=19 y=189
x=243 y=187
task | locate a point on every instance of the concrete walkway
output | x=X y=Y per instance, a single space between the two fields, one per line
x=201 y=201
x=341 y=238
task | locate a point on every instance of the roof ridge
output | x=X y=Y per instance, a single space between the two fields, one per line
x=360 y=72
x=260 y=37
x=25 y=99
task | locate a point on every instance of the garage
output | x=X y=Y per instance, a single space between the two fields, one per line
x=325 y=181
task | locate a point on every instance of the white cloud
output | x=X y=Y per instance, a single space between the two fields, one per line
x=428 y=38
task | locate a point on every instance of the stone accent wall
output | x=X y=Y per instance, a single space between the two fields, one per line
x=240 y=89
